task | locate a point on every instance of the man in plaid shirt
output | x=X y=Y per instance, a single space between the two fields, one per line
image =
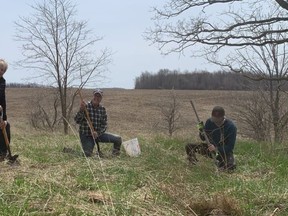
x=98 y=117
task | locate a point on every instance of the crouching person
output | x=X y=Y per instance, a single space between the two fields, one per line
x=221 y=133
x=98 y=118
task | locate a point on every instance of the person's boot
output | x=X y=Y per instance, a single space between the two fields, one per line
x=99 y=154
x=115 y=152
x=192 y=160
x=2 y=158
x=191 y=150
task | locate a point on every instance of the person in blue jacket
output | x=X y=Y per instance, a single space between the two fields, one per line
x=221 y=133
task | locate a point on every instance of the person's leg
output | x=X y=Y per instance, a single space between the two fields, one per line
x=202 y=149
x=112 y=138
x=221 y=160
x=226 y=161
x=231 y=165
x=88 y=144
x=3 y=147
x=192 y=149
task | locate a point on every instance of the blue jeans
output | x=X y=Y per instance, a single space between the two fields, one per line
x=88 y=142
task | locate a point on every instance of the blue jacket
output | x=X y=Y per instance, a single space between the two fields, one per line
x=223 y=137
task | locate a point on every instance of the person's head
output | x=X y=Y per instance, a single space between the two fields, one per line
x=3 y=67
x=218 y=115
x=98 y=94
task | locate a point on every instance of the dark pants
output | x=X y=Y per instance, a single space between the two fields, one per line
x=88 y=142
x=3 y=147
x=224 y=160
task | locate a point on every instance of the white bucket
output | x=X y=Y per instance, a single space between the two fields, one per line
x=132 y=147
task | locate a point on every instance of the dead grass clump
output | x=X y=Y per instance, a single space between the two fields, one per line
x=218 y=205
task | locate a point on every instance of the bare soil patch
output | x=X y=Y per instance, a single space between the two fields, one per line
x=131 y=112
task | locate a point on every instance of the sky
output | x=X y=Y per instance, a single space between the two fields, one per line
x=121 y=24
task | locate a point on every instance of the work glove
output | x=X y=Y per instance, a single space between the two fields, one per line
x=200 y=126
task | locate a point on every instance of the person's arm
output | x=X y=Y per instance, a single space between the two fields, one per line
x=3 y=97
x=207 y=128
x=201 y=130
x=3 y=123
x=4 y=109
x=80 y=115
x=229 y=139
x=212 y=147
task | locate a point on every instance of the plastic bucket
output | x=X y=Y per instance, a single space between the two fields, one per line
x=132 y=147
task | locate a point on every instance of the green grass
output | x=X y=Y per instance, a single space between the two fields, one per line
x=158 y=182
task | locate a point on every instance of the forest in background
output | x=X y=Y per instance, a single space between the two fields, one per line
x=197 y=80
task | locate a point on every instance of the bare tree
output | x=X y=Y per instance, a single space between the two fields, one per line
x=217 y=24
x=170 y=114
x=252 y=34
x=60 y=50
x=267 y=64
x=253 y=116
x=44 y=116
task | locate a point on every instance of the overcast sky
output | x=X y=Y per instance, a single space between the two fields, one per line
x=120 y=23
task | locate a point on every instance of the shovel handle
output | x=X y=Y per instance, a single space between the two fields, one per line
x=198 y=119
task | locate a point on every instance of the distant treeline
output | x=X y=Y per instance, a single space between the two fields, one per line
x=25 y=85
x=198 y=80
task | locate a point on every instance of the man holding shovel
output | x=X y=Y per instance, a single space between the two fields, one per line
x=92 y=120
x=221 y=133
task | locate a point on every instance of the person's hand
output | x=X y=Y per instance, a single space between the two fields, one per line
x=82 y=105
x=3 y=123
x=200 y=126
x=211 y=147
x=95 y=134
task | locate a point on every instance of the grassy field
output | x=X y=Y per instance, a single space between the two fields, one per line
x=158 y=182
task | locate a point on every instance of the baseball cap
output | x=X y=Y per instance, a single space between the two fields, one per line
x=98 y=91
x=218 y=111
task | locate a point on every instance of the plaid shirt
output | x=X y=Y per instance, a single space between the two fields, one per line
x=98 y=117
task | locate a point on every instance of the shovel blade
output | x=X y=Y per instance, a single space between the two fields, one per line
x=12 y=160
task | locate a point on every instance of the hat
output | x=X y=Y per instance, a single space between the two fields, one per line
x=98 y=91
x=218 y=111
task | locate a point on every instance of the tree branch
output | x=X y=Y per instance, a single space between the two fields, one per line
x=283 y=4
